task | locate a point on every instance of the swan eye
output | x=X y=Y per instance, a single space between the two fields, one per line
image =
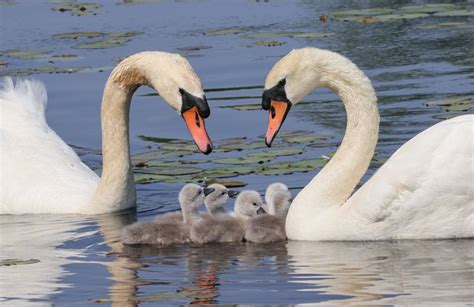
x=255 y=204
x=199 y=193
x=223 y=193
x=181 y=91
x=282 y=82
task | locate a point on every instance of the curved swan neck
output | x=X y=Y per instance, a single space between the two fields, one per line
x=116 y=189
x=336 y=181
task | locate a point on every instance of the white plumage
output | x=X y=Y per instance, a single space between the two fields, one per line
x=40 y=173
x=424 y=191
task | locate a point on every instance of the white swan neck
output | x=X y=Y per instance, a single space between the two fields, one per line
x=337 y=180
x=116 y=189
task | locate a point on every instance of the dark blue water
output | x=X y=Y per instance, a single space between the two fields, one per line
x=81 y=260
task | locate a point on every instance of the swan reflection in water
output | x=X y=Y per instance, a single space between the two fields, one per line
x=399 y=272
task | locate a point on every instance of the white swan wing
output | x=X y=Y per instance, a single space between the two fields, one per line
x=425 y=190
x=39 y=172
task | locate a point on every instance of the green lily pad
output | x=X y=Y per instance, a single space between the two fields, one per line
x=162 y=140
x=454 y=103
x=363 y=12
x=157 y=155
x=45 y=69
x=65 y=56
x=218 y=173
x=143 y=178
x=244 y=107
x=448 y=25
x=455 y=13
x=228 y=141
x=76 y=35
x=275 y=171
x=9 y=262
x=291 y=133
x=227 y=183
x=242 y=160
x=102 y=44
x=270 y=35
x=194 y=48
x=304 y=139
x=179 y=147
x=174 y=170
x=269 y=43
x=276 y=153
x=125 y=34
x=428 y=8
x=311 y=35
x=77 y=7
x=195 y=161
x=228 y=31
x=26 y=54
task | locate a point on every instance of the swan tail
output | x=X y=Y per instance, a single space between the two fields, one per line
x=24 y=96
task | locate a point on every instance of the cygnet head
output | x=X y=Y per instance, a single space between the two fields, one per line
x=191 y=197
x=217 y=196
x=277 y=197
x=248 y=204
x=272 y=189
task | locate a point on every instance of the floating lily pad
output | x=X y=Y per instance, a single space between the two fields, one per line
x=195 y=161
x=244 y=107
x=242 y=160
x=76 y=7
x=311 y=35
x=448 y=25
x=76 y=35
x=102 y=44
x=194 y=48
x=454 y=103
x=26 y=54
x=45 y=69
x=269 y=35
x=125 y=34
x=218 y=173
x=428 y=8
x=276 y=153
x=269 y=43
x=9 y=262
x=65 y=56
x=228 y=31
x=179 y=147
x=228 y=141
x=304 y=139
x=157 y=155
x=363 y=12
x=175 y=170
x=455 y=13
x=291 y=133
x=227 y=183
x=162 y=140
x=275 y=171
x=142 y=178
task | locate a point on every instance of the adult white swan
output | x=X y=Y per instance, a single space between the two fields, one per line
x=39 y=173
x=424 y=191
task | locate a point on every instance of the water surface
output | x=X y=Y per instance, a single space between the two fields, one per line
x=81 y=260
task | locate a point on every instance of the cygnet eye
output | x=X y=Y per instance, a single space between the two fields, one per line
x=223 y=193
x=200 y=191
x=255 y=204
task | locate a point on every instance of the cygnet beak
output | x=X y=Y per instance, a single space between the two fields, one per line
x=261 y=211
x=232 y=193
x=208 y=191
